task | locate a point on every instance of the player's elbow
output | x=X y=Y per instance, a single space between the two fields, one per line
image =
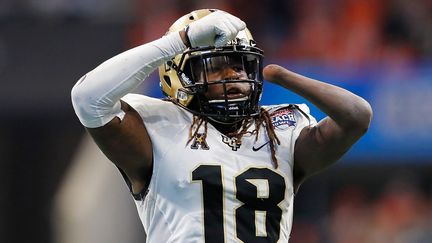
x=362 y=117
x=80 y=99
x=92 y=108
x=86 y=105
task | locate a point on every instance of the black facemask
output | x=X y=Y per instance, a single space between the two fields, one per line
x=196 y=79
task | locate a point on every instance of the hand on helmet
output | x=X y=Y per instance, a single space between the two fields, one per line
x=215 y=29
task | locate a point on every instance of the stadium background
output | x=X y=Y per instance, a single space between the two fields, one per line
x=55 y=186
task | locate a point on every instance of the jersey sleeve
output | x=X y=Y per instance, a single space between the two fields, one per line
x=163 y=120
x=288 y=121
x=156 y=113
x=304 y=119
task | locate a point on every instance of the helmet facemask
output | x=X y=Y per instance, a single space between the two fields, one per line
x=196 y=71
x=186 y=79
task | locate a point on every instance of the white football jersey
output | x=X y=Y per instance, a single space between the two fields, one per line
x=217 y=189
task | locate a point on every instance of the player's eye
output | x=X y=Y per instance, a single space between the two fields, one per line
x=237 y=68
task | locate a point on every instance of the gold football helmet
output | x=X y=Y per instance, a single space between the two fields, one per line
x=184 y=78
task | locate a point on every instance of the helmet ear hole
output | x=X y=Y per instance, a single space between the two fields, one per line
x=167 y=80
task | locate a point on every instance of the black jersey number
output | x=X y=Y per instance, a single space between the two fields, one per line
x=258 y=218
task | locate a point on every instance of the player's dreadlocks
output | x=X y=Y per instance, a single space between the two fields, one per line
x=262 y=119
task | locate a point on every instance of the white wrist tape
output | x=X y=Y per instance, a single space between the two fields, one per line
x=96 y=96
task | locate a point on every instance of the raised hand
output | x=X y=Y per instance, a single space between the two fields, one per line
x=215 y=29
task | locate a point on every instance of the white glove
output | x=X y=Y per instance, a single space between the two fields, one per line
x=215 y=29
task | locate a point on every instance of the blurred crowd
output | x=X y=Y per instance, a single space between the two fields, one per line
x=353 y=31
x=400 y=213
x=341 y=31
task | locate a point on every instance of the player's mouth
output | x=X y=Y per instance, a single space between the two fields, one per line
x=235 y=92
x=237 y=95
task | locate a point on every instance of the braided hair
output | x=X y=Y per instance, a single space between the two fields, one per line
x=262 y=119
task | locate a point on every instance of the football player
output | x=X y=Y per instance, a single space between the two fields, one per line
x=209 y=163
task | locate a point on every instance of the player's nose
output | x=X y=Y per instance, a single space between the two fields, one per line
x=231 y=73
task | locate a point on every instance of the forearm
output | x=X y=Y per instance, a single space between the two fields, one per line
x=345 y=108
x=96 y=96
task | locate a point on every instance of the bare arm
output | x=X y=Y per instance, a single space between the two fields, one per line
x=348 y=118
x=127 y=144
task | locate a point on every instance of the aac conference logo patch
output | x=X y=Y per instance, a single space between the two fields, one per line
x=283 y=118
